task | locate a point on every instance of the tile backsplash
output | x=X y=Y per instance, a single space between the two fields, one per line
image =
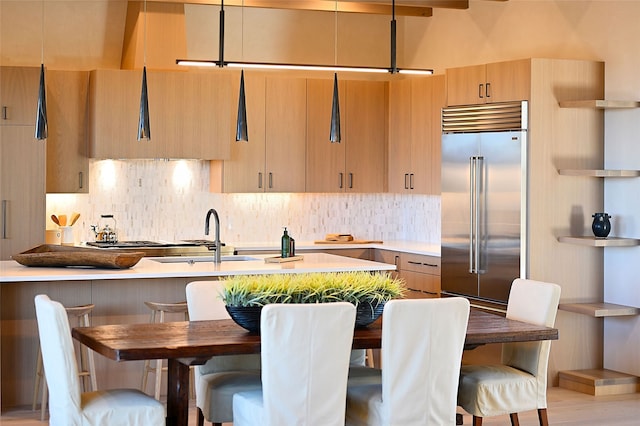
x=168 y=200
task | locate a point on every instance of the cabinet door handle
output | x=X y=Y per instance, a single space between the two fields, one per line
x=411 y=181
x=481 y=91
x=4 y=219
x=414 y=263
x=406 y=184
x=259 y=179
x=80 y=180
x=340 y=179
x=396 y=261
x=350 y=180
x=270 y=180
x=432 y=265
x=4 y=112
x=488 y=90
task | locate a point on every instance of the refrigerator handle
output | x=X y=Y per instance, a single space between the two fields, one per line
x=479 y=191
x=472 y=187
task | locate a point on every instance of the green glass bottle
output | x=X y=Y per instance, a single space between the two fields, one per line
x=286 y=244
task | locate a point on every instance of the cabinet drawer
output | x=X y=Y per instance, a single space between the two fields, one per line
x=420 y=263
x=421 y=282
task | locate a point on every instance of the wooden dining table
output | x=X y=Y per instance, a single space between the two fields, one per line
x=193 y=342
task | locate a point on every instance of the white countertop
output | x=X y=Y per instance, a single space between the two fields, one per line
x=414 y=247
x=11 y=271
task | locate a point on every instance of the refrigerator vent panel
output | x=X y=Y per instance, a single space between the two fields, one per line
x=485 y=118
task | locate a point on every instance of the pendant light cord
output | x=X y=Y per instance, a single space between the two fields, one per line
x=42 y=35
x=335 y=41
x=144 y=36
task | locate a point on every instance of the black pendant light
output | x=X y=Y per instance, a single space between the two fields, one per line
x=335 y=136
x=144 y=127
x=42 y=127
x=242 y=133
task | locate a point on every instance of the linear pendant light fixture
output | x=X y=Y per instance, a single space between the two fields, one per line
x=144 y=127
x=393 y=69
x=42 y=127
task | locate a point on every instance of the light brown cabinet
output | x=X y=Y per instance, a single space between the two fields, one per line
x=414 y=134
x=22 y=193
x=18 y=95
x=67 y=147
x=495 y=82
x=421 y=273
x=188 y=112
x=273 y=158
x=358 y=162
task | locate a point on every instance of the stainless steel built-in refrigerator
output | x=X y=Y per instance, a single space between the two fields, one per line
x=484 y=199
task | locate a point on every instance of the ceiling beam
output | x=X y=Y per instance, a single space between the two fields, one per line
x=377 y=7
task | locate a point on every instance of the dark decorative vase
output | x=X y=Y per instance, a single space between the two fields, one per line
x=601 y=225
x=248 y=317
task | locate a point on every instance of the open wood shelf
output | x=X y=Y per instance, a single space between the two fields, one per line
x=600 y=104
x=599 y=309
x=599 y=173
x=599 y=382
x=601 y=242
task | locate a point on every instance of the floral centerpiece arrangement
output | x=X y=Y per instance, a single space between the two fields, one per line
x=245 y=295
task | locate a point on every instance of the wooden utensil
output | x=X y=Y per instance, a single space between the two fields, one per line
x=55 y=220
x=74 y=218
x=62 y=219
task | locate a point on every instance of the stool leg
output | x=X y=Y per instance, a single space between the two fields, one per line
x=37 y=379
x=147 y=363
x=159 y=367
x=369 y=358
x=45 y=398
x=88 y=356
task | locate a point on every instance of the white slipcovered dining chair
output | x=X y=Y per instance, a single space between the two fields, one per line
x=305 y=362
x=222 y=376
x=520 y=382
x=68 y=406
x=422 y=344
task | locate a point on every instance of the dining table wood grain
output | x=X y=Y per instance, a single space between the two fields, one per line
x=189 y=343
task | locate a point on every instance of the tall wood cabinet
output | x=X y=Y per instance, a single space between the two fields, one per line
x=67 y=146
x=273 y=158
x=188 y=114
x=487 y=83
x=22 y=163
x=358 y=162
x=415 y=134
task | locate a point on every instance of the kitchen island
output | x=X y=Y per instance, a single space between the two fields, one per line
x=119 y=297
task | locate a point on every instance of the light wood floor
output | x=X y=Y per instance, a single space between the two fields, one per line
x=565 y=408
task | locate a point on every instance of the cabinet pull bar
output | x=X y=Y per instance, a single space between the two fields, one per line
x=340 y=177
x=488 y=90
x=259 y=179
x=80 y=180
x=4 y=219
x=414 y=263
x=411 y=181
x=396 y=261
x=432 y=265
x=406 y=185
x=270 y=180
x=350 y=180
x=480 y=91
x=4 y=112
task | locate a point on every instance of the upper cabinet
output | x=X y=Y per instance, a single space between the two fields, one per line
x=67 y=147
x=358 y=162
x=496 y=82
x=273 y=158
x=189 y=113
x=414 y=134
x=18 y=95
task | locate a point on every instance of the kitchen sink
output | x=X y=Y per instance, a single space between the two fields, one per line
x=194 y=259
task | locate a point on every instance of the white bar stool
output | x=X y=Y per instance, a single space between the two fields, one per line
x=158 y=310
x=87 y=365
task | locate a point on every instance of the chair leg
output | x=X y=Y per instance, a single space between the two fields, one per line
x=459 y=419
x=199 y=417
x=514 y=419
x=477 y=421
x=542 y=417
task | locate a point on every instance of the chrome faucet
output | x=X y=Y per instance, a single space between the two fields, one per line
x=216 y=256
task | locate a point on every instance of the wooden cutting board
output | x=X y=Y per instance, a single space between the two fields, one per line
x=349 y=242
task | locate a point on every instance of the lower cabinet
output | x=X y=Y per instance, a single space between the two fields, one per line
x=421 y=273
